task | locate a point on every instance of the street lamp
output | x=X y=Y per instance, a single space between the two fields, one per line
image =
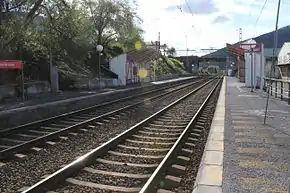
x=99 y=50
x=159 y=61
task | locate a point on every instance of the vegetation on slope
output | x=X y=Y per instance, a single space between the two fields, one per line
x=29 y=30
x=67 y=32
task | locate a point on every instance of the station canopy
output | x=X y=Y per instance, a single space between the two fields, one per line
x=235 y=50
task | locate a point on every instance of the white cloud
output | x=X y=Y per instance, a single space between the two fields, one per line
x=175 y=25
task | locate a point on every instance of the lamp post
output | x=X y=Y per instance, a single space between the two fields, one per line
x=99 y=50
x=159 y=61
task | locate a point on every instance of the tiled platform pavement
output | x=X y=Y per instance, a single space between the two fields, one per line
x=256 y=155
x=242 y=154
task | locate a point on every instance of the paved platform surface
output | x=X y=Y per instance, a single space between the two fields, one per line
x=72 y=95
x=242 y=154
x=256 y=155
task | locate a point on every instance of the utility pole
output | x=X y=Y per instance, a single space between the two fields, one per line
x=273 y=60
x=159 y=41
x=187 y=52
x=50 y=57
x=240 y=35
x=240 y=41
x=158 y=49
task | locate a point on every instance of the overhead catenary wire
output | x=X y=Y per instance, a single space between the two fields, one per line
x=259 y=16
x=188 y=6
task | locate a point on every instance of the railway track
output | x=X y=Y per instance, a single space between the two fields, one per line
x=27 y=137
x=135 y=158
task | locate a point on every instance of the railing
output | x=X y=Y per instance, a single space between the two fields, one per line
x=278 y=88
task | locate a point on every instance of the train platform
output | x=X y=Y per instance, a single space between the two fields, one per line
x=31 y=110
x=244 y=155
x=62 y=97
x=170 y=80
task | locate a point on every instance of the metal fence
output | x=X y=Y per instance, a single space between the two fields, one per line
x=278 y=88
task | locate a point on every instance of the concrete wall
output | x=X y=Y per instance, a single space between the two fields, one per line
x=93 y=83
x=117 y=65
x=166 y=77
x=31 y=88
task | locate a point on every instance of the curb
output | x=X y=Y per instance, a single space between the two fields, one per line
x=210 y=172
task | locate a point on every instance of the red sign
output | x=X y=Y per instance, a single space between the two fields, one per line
x=10 y=64
x=257 y=48
x=235 y=50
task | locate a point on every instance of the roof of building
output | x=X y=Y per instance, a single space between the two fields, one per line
x=266 y=39
x=146 y=53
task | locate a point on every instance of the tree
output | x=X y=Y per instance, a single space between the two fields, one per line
x=164 y=47
x=112 y=20
x=171 y=52
x=72 y=29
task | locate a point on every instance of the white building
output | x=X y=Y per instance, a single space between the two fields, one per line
x=284 y=61
x=134 y=66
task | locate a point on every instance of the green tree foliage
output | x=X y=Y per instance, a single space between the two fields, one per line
x=34 y=30
x=171 y=51
x=167 y=66
x=72 y=29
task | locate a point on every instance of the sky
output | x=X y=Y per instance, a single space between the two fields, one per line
x=212 y=24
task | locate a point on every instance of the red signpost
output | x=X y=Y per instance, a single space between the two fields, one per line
x=14 y=64
x=252 y=48
x=11 y=64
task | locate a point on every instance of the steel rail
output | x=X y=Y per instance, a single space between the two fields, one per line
x=151 y=184
x=59 y=176
x=33 y=142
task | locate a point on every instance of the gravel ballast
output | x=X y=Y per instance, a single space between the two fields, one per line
x=188 y=179
x=185 y=108
x=17 y=174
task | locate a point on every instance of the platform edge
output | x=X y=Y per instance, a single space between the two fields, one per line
x=210 y=172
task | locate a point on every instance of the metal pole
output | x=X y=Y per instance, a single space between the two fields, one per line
x=274 y=54
x=22 y=82
x=22 y=74
x=154 y=70
x=227 y=62
x=252 y=84
x=50 y=58
x=187 y=62
x=100 y=70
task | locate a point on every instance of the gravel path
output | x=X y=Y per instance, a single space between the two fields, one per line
x=17 y=174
